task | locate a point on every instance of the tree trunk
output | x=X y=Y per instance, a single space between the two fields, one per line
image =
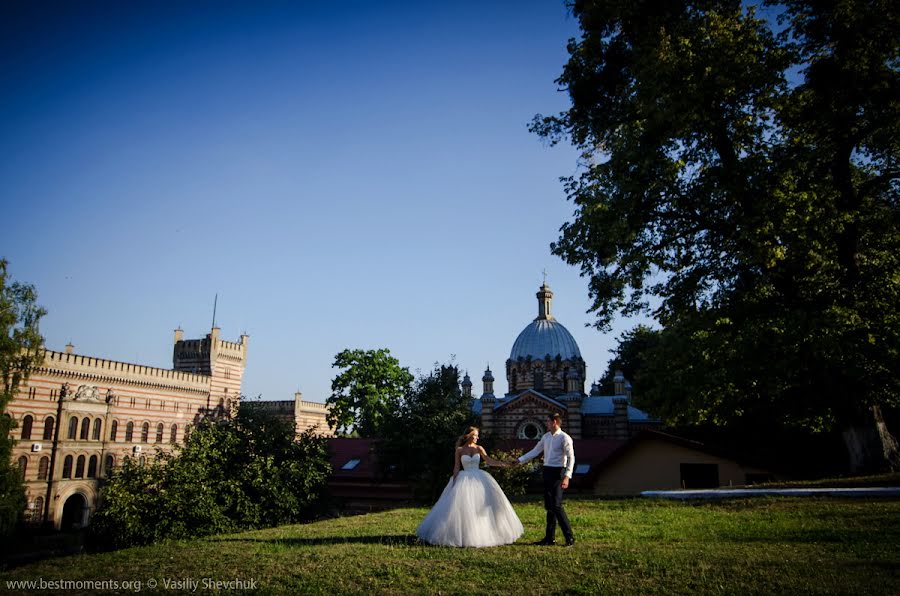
x=871 y=446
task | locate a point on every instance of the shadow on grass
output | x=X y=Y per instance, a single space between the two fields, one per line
x=388 y=539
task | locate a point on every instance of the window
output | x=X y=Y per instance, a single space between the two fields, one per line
x=129 y=432
x=110 y=463
x=48 y=428
x=145 y=432
x=699 y=476
x=529 y=430
x=96 y=434
x=538 y=380
x=350 y=464
x=142 y=460
x=114 y=429
x=43 y=468
x=160 y=429
x=92 y=467
x=73 y=427
x=67 y=467
x=85 y=428
x=23 y=466
x=27 y=421
x=173 y=433
x=79 y=467
x=38 y=514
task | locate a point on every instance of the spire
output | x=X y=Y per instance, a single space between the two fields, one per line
x=545 y=297
x=467 y=385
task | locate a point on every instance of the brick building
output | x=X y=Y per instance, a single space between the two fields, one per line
x=79 y=416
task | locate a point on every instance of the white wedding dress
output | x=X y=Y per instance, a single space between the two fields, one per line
x=472 y=511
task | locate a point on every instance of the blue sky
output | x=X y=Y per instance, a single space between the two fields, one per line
x=342 y=175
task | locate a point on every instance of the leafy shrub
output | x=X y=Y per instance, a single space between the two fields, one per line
x=512 y=480
x=231 y=474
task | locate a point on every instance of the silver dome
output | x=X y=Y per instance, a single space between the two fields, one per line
x=542 y=337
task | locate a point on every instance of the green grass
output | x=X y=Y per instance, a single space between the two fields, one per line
x=763 y=545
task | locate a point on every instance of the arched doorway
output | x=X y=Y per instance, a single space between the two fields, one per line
x=74 y=512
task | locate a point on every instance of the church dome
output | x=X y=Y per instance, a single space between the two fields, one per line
x=545 y=335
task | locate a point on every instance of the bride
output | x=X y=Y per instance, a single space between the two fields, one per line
x=472 y=510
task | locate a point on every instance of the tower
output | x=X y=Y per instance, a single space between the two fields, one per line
x=223 y=361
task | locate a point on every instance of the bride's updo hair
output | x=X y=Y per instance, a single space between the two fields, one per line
x=466 y=438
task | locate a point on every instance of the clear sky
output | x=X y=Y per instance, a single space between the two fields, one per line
x=342 y=174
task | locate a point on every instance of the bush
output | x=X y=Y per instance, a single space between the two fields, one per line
x=231 y=474
x=513 y=480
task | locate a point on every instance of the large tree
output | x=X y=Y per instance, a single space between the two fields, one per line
x=367 y=391
x=419 y=440
x=744 y=171
x=20 y=350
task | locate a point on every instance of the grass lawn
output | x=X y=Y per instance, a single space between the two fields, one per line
x=763 y=545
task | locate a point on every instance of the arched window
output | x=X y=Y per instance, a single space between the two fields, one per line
x=92 y=467
x=173 y=433
x=145 y=432
x=187 y=433
x=110 y=464
x=38 y=514
x=79 y=467
x=160 y=429
x=23 y=466
x=129 y=432
x=27 y=421
x=114 y=429
x=67 y=467
x=43 y=468
x=48 y=428
x=97 y=427
x=85 y=428
x=73 y=427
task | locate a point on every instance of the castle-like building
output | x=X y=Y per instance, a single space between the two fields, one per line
x=78 y=417
x=546 y=373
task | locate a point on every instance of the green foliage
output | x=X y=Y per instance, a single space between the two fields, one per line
x=20 y=350
x=367 y=391
x=419 y=437
x=748 y=180
x=245 y=472
x=514 y=479
x=631 y=357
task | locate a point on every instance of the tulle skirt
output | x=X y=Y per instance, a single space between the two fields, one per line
x=473 y=511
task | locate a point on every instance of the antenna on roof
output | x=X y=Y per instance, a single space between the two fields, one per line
x=215 y=303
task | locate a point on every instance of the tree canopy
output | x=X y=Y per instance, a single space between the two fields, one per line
x=743 y=171
x=367 y=391
x=20 y=349
x=419 y=439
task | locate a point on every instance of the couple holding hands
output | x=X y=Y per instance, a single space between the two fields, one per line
x=474 y=511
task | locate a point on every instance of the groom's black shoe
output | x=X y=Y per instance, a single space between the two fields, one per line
x=544 y=542
x=570 y=541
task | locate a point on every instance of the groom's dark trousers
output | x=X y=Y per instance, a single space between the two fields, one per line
x=553 y=496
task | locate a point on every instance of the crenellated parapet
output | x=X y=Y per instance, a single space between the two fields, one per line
x=100 y=370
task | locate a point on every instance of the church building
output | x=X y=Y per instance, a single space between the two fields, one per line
x=546 y=373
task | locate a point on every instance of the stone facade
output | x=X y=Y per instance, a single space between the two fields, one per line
x=304 y=415
x=79 y=416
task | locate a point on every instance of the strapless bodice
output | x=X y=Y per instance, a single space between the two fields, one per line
x=470 y=462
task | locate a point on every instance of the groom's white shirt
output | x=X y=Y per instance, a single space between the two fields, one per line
x=558 y=451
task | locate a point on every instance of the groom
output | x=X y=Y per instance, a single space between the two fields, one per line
x=559 y=461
